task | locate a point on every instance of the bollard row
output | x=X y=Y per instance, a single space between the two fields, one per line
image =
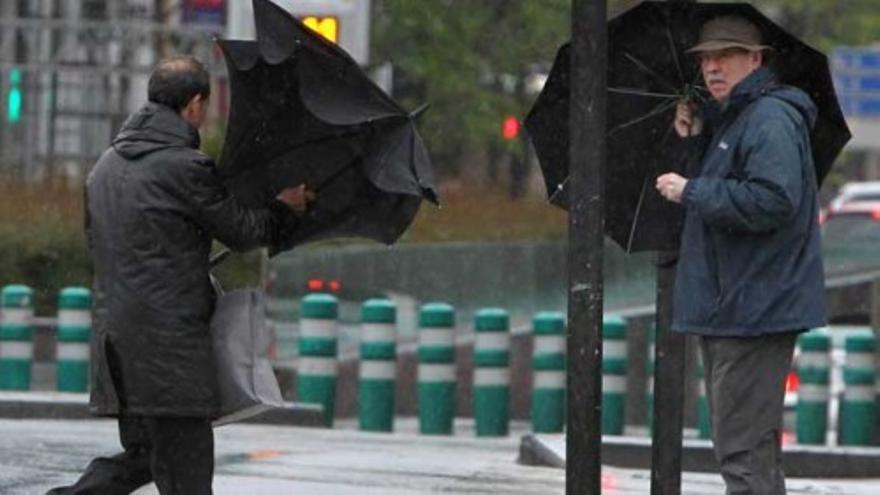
x=73 y=330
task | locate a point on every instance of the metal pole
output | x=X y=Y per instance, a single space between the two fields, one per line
x=589 y=60
x=669 y=366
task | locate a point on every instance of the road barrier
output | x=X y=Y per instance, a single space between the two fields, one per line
x=858 y=407
x=614 y=364
x=436 y=375
x=318 y=342
x=814 y=371
x=704 y=423
x=378 y=365
x=16 y=337
x=492 y=372
x=548 y=378
x=74 y=328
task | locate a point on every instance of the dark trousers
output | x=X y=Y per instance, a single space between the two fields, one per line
x=176 y=453
x=745 y=386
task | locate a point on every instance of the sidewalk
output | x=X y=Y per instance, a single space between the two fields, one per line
x=262 y=460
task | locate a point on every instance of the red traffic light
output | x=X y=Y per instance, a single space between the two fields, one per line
x=510 y=128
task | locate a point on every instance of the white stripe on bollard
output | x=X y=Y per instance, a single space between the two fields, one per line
x=310 y=327
x=73 y=351
x=814 y=360
x=614 y=383
x=436 y=337
x=549 y=344
x=809 y=392
x=377 y=370
x=651 y=385
x=322 y=366
x=614 y=349
x=858 y=393
x=17 y=315
x=492 y=341
x=549 y=379
x=491 y=376
x=16 y=350
x=436 y=372
x=74 y=318
x=377 y=332
x=859 y=360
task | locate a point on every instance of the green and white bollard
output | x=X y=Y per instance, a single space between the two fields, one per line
x=378 y=365
x=436 y=375
x=614 y=363
x=704 y=425
x=16 y=337
x=649 y=374
x=858 y=407
x=317 y=369
x=492 y=372
x=548 y=377
x=814 y=371
x=74 y=327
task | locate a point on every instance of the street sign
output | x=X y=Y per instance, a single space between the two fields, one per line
x=856 y=73
x=205 y=12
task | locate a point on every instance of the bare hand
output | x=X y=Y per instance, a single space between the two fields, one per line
x=297 y=198
x=671 y=186
x=686 y=123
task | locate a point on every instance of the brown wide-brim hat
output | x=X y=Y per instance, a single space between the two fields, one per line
x=729 y=32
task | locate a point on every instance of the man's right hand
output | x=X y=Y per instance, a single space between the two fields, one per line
x=687 y=124
x=297 y=197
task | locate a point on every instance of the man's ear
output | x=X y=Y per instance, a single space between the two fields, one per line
x=757 y=59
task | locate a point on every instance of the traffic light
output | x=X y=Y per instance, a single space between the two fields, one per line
x=327 y=26
x=13 y=99
x=510 y=128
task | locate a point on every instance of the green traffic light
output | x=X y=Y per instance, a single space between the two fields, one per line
x=13 y=100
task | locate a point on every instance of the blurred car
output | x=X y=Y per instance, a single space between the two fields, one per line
x=851 y=236
x=855 y=191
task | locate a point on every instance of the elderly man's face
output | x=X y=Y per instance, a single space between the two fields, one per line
x=724 y=69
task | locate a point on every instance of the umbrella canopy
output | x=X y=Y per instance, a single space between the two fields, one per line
x=303 y=111
x=649 y=72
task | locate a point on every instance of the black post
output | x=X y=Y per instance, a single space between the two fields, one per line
x=669 y=366
x=589 y=60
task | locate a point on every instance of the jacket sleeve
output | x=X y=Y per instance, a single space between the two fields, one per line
x=769 y=189
x=224 y=218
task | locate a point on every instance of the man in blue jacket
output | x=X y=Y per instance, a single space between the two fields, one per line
x=750 y=274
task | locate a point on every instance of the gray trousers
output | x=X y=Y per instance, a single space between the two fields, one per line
x=745 y=386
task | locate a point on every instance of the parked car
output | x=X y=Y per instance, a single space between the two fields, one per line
x=851 y=236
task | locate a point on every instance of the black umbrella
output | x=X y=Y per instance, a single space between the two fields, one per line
x=303 y=111
x=649 y=71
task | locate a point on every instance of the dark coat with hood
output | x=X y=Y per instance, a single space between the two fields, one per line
x=750 y=258
x=153 y=206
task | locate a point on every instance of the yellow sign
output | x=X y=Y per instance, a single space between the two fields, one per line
x=327 y=27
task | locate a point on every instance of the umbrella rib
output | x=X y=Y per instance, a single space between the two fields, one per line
x=674 y=54
x=558 y=190
x=658 y=110
x=639 y=92
x=632 y=228
x=649 y=71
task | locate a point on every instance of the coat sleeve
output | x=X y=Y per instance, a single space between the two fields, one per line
x=767 y=193
x=224 y=218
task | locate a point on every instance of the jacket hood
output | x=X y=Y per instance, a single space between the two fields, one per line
x=764 y=82
x=152 y=128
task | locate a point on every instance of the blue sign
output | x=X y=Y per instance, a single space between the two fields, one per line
x=207 y=12
x=856 y=73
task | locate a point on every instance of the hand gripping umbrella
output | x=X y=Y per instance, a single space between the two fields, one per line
x=303 y=111
x=649 y=72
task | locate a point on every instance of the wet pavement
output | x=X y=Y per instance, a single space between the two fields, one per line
x=254 y=459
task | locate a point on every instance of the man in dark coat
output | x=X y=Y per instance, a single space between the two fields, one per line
x=153 y=206
x=749 y=275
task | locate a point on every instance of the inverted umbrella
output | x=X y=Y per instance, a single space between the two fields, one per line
x=649 y=72
x=303 y=112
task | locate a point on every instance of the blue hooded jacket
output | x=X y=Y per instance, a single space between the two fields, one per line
x=750 y=259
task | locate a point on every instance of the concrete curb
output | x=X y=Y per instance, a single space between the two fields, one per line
x=66 y=405
x=697 y=455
